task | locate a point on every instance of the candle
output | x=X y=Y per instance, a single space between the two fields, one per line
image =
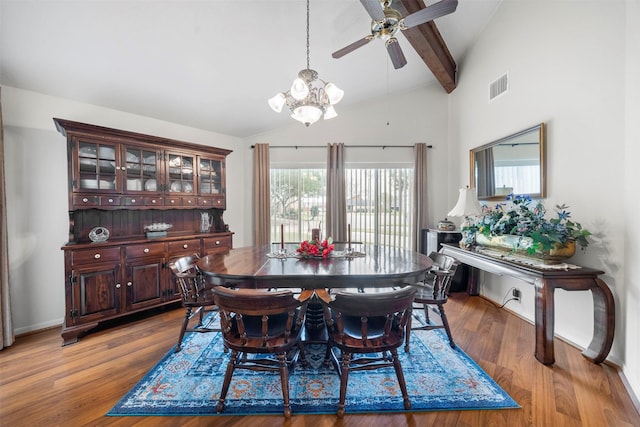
x=349 y=236
x=282 y=236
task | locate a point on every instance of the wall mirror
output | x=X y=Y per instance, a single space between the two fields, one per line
x=513 y=164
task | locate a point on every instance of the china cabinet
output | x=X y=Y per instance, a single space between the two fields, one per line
x=121 y=186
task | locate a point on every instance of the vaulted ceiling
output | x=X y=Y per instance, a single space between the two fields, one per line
x=213 y=64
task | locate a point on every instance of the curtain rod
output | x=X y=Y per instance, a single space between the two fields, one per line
x=354 y=146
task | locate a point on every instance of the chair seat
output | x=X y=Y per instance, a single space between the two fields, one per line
x=424 y=293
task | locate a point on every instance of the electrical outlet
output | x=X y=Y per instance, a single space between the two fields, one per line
x=516 y=294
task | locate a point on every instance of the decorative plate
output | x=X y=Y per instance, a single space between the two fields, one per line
x=99 y=234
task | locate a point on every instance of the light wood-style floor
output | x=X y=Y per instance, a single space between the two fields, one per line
x=44 y=384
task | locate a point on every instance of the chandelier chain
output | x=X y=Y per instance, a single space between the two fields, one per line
x=307 y=34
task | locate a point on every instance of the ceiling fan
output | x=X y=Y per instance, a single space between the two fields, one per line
x=387 y=21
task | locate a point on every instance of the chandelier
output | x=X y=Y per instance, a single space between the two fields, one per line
x=310 y=97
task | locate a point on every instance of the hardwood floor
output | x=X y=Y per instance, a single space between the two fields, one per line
x=44 y=384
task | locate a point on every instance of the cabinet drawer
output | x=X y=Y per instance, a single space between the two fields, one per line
x=217 y=242
x=90 y=256
x=205 y=201
x=184 y=246
x=110 y=200
x=153 y=201
x=173 y=201
x=146 y=250
x=80 y=200
x=134 y=201
x=189 y=201
x=219 y=202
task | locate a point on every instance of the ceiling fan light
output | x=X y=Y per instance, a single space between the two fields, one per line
x=307 y=114
x=277 y=102
x=334 y=93
x=330 y=113
x=299 y=89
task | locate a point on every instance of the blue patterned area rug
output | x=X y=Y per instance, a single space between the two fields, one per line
x=188 y=383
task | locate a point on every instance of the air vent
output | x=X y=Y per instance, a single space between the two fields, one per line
x=499 y=86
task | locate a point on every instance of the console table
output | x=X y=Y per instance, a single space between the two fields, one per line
x=546 y=281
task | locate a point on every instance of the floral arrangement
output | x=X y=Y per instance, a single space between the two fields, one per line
x=520 y=216
x=315 y=248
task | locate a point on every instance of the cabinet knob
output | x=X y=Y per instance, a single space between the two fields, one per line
x=219 y=201
x=97 y=256
x=110 y=200
x=117 y=285
x=153 y=201
x=204 y=202
x=173 y=201
x=217 y=242
x=189 y=201
x=185 y=246
x=129 y=284
x=85 y=200
x=133 y=200
x=146 y=250
x=123 y=168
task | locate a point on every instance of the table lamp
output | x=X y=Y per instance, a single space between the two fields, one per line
x=466 y=207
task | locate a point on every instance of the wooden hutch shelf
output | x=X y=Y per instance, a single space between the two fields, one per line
x=123 y=182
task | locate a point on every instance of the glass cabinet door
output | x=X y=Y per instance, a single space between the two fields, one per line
x=210 y=177
x=181 y=173
x=142 y=170
x=96 y=166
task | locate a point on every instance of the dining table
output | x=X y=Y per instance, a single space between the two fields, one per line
x=273 y=266
x=357 y=267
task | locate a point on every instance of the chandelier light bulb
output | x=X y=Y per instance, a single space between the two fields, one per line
x=330 y=113
x=299 y=89
x=277 y=102
x=307 y=114
x=334 y=93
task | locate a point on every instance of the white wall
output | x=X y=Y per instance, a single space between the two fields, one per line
x=630 y=304
x=566 y=68
x=35 y=162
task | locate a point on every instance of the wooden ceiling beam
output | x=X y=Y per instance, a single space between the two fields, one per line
x=428 y=42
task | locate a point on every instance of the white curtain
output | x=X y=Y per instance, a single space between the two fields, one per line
x=336 y=194
x=6 y=325
x=261 y=195
x=420 y=216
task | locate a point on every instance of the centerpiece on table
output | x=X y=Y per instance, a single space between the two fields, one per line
x=315 y=248
x=520 y=226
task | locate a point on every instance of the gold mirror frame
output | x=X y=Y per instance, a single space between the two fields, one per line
x=517 y=149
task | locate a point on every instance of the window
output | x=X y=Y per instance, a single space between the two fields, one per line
x=379 y=203
x=297 y=202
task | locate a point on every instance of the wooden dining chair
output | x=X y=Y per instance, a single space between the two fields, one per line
x=196 y=298
x=432 y=294
x=367 y=329
x=262 y=322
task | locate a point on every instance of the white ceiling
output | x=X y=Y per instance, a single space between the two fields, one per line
x=207 y=64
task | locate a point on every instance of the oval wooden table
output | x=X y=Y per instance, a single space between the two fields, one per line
x=253 y=267
x=256 y=267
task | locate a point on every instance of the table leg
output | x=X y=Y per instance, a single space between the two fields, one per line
x=603 y=322
x=544 y=321
x=315 y=329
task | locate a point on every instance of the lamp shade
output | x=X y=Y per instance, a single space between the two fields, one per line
x=467 y=204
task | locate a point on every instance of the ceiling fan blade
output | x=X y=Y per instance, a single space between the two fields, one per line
x=395 y=53
x=353 y=46
x=430 y=13
x=374 y=9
